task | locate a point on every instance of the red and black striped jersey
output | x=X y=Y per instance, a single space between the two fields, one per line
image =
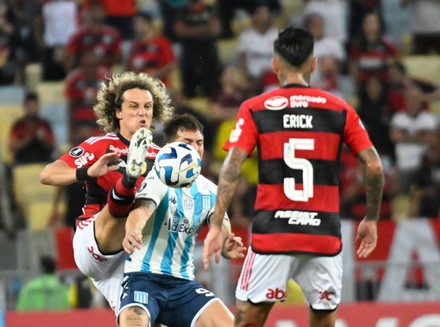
x=299 y=132
x=89 y=151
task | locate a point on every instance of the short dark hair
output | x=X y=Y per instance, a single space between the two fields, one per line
x=181 y=121
x=47 y=264
x=30 y=96
x=294 y=45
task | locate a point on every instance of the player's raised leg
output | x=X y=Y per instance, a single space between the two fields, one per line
x=109 y=225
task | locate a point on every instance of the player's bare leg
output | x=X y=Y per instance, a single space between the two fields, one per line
x=216 y=315
x=251 y=314
x=109 y=227
x=322 y=318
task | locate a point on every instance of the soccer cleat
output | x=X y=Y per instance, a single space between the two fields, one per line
x=139 y=144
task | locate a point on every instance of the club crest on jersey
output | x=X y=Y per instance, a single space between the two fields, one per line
x=140 y=297
x=276 y=103
x=188 y=204
x=76 y=152
x=206 y=202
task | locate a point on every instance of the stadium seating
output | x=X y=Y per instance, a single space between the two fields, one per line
x=34 y=198
x=11 y=95
x=426 y=67
x=227 y=49
x=33 y=75
x=51 y=92
x=9 y=113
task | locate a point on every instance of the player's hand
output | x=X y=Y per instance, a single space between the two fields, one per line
x=212 y=245
x=233 y=247
x=101 y=166
x=132 y=241
x=367 y=236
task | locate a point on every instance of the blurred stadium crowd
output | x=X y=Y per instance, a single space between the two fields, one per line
x=382 y=57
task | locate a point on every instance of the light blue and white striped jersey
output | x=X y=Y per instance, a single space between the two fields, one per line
x=170 y=234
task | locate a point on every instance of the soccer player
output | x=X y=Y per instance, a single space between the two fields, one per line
x=161 y=232
x=299 y=131
x=125 y=109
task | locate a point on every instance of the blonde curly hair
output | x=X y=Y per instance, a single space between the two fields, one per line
x=110 y=98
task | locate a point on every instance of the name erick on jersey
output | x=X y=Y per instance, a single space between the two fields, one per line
x=170 y=234
x=299 y=132
x=88 y=152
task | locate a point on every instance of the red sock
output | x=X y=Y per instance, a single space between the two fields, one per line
x=120 y=199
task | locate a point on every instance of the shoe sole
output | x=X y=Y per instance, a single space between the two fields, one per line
x=137 y=151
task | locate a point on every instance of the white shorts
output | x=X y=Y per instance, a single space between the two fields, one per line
x=264 y=278
x=105 y=270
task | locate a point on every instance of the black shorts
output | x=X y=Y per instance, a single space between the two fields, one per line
x=171 y=301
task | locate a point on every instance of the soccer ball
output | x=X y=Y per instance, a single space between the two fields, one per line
x=177 y=164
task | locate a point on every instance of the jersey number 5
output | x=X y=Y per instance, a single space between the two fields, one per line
x=300 y=164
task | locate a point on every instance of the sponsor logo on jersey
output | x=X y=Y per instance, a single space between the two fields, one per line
x=326 y=295
x=303 y=101
x=84 y=159
x=276 y=103
x=298 y=121
x=175 y=226
x=299 y=217
x=96 y=256
x=140 y=297
x=76 y=152
x=113 y=148
x=276 y=294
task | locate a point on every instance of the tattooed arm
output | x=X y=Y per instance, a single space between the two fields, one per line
x=227 y=183
x=228 y=178
x=374 y=183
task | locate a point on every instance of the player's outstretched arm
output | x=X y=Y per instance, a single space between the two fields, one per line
x=135 y=223
x=59 y=173
x=374 y=183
